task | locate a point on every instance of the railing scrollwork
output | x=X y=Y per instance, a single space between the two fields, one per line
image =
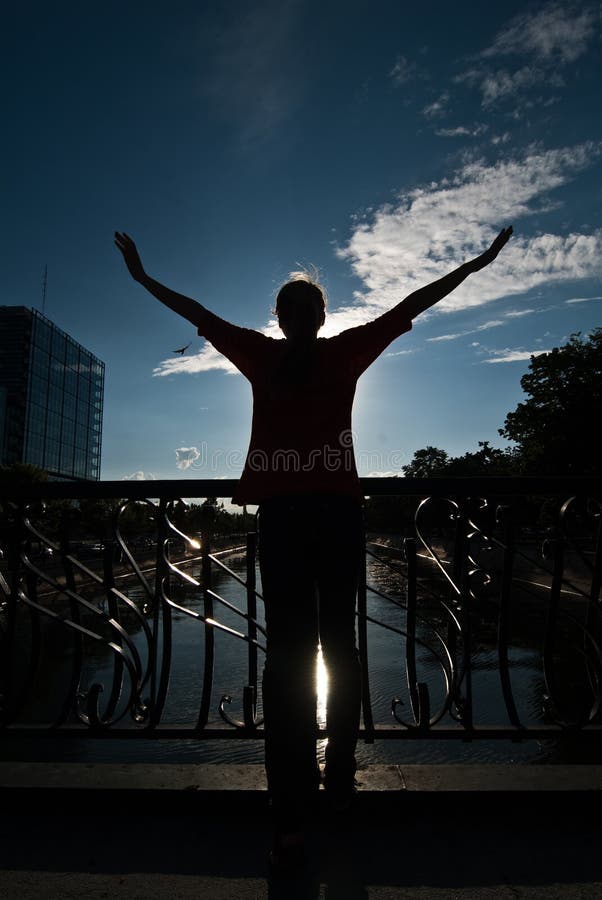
x=481 y=566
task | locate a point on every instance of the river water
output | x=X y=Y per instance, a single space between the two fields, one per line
x=387 y=680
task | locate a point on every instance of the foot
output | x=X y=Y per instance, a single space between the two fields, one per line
x=341 y=793
x=287 y=855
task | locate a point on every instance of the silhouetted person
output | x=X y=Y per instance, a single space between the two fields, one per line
x=301 y=472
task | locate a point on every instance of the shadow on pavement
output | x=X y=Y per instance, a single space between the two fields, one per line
x=448 y=842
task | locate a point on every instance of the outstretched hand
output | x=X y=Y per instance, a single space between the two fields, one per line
x=132 y=259
x=489 y=255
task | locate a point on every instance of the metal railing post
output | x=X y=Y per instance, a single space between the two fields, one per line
x=250 y=690
x=362 y=613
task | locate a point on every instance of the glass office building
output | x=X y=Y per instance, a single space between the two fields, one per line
x=51 y=397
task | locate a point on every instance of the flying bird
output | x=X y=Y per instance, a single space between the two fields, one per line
x=183 y=349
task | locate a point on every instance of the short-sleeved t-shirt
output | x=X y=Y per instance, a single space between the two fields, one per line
x=301 y=440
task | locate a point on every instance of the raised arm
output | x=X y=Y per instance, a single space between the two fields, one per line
x=420 y=300
x=242 y=346
x=184 y=306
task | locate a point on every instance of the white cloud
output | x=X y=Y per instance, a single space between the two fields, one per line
x=507 y=355
x=494 y=323
x=437 y=107
x=401 y=352
x=450 y=337
x=186 y=456
x=543 y=42
x=557 y=32
x=491 y=324
x=461 y=131
x=582 y=299
x=403 y=70
x=517 y=313
x=207 y=359
x=431 y=229
x=501 y=84
x=139 y=476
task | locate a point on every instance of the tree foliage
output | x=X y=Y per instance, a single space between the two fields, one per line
x=555 y=428
x=431 y=462
x=21 y=475
x=487 y=460
x=426 y=463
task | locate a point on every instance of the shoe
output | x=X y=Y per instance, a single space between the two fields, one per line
x=288 y=854
x=341 y=794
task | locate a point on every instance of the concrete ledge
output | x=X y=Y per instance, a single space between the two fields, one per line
x=502 y=778
x=250 y=779
x=131 y=776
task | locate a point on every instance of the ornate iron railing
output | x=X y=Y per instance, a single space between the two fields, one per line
x=476 y=567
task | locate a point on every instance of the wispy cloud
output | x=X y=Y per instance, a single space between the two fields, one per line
x=462 y=131
x=542 y=41
x=508 y=356
x=438 y=107
x=494 y=323
x=404 y=70
x=518 y=313
x=401 y=352
x=252 y=61
x=186 y=456
x=582 y=299
x=139 y=476
x=556 y=32
x=501 y=83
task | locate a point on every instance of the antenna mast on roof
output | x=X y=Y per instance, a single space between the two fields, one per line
x=44 y=282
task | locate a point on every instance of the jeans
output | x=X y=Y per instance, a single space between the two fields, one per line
x=310 y=548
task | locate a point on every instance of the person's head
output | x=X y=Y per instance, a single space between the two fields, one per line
x=301 y=306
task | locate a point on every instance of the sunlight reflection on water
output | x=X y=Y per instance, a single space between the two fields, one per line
x=322 y=685
x=322 y=691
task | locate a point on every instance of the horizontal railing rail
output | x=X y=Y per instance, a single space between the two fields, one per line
x=466 y=583
x=174 y=489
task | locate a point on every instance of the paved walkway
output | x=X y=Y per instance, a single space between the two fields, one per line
x=449 y=832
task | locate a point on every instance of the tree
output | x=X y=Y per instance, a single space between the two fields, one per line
x=426 y=463
x=393 y=513
x=555 y=428
x=22 y=475
x=396 y=513
x=487 y=460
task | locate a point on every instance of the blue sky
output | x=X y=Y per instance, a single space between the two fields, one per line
x=384 y=142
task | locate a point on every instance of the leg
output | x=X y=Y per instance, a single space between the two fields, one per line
x=337 y=584
x=289 y=688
